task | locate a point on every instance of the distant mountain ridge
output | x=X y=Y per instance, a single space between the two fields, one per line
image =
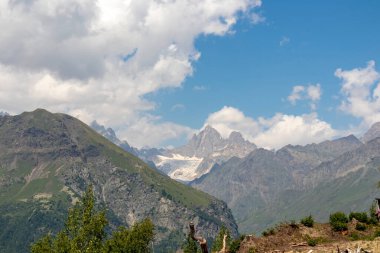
x=298 y=180
x=47 y=160
x=258 y=182
x=201 y=153
x=191 y=160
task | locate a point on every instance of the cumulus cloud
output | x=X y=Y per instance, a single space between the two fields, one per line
x=230 y=119
x=98 y=59
x=275 y=132
x=311 y=92
x=361 y=92
x=291 y=129
x=147 y=127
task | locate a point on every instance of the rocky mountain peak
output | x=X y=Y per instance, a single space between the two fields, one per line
x=350 y=139
x=202 y=144
x=208 y=134
x=372 y=133
x=236 y=137
x=109 y=133
x=3 y=114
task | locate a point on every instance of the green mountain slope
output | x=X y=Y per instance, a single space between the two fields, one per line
x=47 y=160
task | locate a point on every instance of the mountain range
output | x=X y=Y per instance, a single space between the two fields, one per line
x=192 y=160
x=264 y=187
x=48 y=160
x=267 y=187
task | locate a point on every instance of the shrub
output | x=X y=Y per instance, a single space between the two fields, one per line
x=293 y=224
x=268 y=232
x=235 y=244
x=377 y=233
x=354 y=236
x=308 y=221
x=312 y=242
x=338 y=221
x=361 y=227
x=373 y=221
x=373 y=216
x=362 y=217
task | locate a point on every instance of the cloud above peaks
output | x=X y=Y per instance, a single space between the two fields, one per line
x=310 y=92
x=230 y=119
x=296 y=130
x=361 y=91
x=98 y=59
x=275 y=132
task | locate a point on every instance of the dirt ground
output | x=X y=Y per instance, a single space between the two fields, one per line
x=289 y=238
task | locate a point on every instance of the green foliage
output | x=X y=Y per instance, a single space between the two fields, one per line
x=252 y=250
x=268 y=232
x=136 y=239
x=354 y=236
x=218 y=242
x=85 y=232
x=372 y=215
x=190 y=246
x=338 y=221
x=312 y=242
x=308 y=221
x=24 y=222
x=235 y=244
x=360 y=227
x=362 y=217
x=377 y=233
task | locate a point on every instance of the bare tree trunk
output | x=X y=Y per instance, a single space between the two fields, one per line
x=202 y=241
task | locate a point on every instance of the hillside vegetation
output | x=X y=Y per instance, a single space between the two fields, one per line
x=47 y=161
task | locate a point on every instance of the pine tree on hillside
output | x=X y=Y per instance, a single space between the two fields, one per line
x=84 y=232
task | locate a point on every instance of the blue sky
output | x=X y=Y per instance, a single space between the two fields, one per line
x=159 y=71
x=251 y=71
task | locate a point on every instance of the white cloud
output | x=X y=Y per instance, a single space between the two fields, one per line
x=291 y=129
x=98 y=59
x=361 y=92
x=230 y=119
x=257 y=18
x=284 y=40
x=178 y=107
x=310 y=92
x=199 y=88
x=159 y=133
x=296 y=94
x=275 y=132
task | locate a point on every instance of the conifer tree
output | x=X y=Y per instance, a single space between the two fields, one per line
x=84 y=232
